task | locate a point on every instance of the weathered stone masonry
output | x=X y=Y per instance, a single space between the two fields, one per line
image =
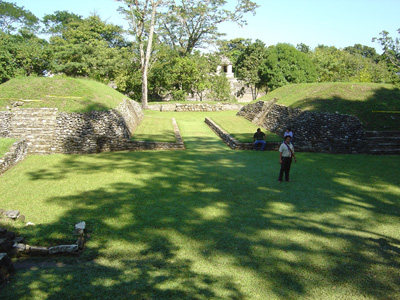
x=47 y=131
x=314 y=132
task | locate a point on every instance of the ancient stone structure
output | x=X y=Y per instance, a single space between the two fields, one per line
x=313 y=132
x=232 y=142
x=180 y=107
x=46 y=131
x=17 y=153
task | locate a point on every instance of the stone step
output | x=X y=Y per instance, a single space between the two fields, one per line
x=385 y=151
x=382 y=133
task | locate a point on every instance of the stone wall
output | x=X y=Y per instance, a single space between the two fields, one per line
x=48 y=131
x=132 y=113
x=313 y=132
x=17 y=153
x=232 y=142
x=180 y=107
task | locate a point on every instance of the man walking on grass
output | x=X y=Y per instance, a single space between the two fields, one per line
x=286 y=153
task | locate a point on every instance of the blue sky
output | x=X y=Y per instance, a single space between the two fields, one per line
x=337 y=23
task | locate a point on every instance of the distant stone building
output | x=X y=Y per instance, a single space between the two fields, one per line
x=238 y=89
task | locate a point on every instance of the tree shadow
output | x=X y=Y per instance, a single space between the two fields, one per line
x=212 y=223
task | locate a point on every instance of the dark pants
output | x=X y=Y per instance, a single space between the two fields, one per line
x=285 y=168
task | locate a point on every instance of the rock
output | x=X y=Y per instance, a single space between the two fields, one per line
x=12 y=214
x=20 y=247
x=30 y=224
x=21 y=218
x=2 y=211
x=63 y=249
x=38 y=250
x=80 y=225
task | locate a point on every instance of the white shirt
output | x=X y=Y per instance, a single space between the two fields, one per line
x=285 y=151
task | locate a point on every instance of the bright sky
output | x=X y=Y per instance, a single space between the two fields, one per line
x=339 y=23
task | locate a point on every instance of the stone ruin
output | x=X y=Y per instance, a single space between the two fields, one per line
x=14 y=246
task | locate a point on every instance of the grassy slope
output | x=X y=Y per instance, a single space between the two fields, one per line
x=67 y=94
x=358 y=99
x=5 y=144
x=209 y=223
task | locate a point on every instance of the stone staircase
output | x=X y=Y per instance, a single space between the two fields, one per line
x=37 y=125
x=383 y=142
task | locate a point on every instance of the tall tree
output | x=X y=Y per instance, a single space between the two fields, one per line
x=285 y=64
x=248 y=66
x=390 y=47
x=190 y=24
x=13 y=17
x=88 y=47
x=141 y=16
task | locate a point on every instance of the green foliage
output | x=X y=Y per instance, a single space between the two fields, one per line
x=336 y=65
x=220 y=89
x=285 y=64
x=91 y=48
x=201 y=20
x=23 y=55
x=248 y=66
x=13 y=17
x=390 y=47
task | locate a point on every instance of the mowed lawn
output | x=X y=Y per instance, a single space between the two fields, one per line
x=208 y=223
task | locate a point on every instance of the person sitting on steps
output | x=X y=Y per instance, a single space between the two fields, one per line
x=259 y=138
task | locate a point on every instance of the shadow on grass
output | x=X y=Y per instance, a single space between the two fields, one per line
x=212 y=223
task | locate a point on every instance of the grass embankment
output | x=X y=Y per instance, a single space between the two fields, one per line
x=240 y=128
x=158 y=127
x=376 y=105
x=5 y=144
x=208 y=223
x=155 y=127
x=65 y=93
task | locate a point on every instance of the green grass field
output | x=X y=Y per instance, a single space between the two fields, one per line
x=65 y=93
x=208 y=223
x=5 y=144
x=376 y=105
x=155 y=128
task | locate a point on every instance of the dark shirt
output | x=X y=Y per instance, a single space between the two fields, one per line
x=259 y=135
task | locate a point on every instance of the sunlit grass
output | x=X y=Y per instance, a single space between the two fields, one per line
x=209 y=223
x=5 y=144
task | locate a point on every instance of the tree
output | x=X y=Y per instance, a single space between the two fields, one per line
x=59 y=21
x=335 y=65
x=23 y=54
x=364 y=51
x=248 y=66
x=191 y=24
x=233 y=49
x=303 y=48
x=141 y=16
x=390 y=47
x=89 y=47
x=13 y=17
x=285 y=64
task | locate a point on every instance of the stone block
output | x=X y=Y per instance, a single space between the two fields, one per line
x=63 y=249
x=35 y=250
x=12 y=214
